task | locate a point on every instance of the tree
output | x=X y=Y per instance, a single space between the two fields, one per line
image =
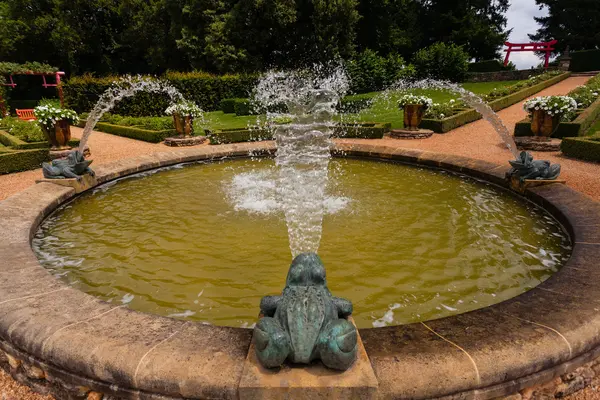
x=477 y=25
x=390 y=26
x=574 y=23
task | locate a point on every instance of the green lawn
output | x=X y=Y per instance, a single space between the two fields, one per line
x=382 y=110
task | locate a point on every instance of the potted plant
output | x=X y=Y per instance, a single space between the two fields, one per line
x=414 y=108
x=56 y=125
x=546 y=113
x=183 y=114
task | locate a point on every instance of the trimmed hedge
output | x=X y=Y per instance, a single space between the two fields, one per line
x=228 y=105
x=14 y=143
x=239 y=135
x=132 y=132
x=587 y=149
x=365 y=130
x=23 y=160
x=585 y=60
x=207 y=90
x=465 y=117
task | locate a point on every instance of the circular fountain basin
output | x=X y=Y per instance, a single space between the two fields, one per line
x=58 y=338
x=205 y=242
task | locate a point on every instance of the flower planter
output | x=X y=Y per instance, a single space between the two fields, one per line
x=184 y=125
x=543 y=125
x=413 y=115
x=58 y=136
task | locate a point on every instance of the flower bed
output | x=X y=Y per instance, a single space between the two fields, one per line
x=512 y=95
x=579 y=122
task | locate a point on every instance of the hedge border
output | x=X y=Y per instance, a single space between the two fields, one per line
x=239 y=135
x=447 y=124
x=131 y=132
x=23 y=160
x=577 y=127
x=363 y=130
x=587 y=149
x=15 y=143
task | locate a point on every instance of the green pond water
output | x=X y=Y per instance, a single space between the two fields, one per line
x=404 y=244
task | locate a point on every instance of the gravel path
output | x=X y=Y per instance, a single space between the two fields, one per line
x=477 y=140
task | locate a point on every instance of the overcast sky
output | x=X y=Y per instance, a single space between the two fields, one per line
x=520 y=19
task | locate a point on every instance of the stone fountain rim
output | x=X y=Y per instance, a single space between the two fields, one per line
x=78 y=340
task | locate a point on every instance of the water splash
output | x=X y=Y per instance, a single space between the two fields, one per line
x=304 y=145
x=125 y=87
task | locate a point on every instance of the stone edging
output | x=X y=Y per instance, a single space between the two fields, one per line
x=75 y=345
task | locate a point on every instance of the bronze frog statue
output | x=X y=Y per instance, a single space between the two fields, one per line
x=524 y=167
x=73 y=166
x=306 y=323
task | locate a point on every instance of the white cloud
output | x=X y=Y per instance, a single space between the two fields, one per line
x=520 y=20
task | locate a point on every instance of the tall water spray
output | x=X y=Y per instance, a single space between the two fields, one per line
x=303 y=146
x=125 y=87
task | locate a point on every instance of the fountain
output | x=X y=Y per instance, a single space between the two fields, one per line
x=459 y=281
x=75 y=166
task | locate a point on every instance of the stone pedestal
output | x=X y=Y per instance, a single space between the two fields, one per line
x=185 y=141
x=308 y=382
x=521 y=187
x=80 y=185
x=537 y=143
x=408 y=134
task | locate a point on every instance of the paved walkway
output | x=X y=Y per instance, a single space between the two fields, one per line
x=476 y=140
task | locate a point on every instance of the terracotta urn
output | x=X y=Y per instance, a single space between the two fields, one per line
x=184 y=125
x=543 y=125
x=60 y=136
x=413 y=115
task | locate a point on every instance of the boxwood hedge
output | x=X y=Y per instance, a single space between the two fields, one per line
x=23 y=160
x=133 y=132
x=207 y=90
x=587 y=148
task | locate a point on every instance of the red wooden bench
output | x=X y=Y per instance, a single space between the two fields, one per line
x=26 y=115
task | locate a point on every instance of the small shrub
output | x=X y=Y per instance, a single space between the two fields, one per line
x=369 y=72
x=442 y=61
x=245 y=107
x=228 y=106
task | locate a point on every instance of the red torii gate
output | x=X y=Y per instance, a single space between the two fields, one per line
x=544 y=46
x=45 y=84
